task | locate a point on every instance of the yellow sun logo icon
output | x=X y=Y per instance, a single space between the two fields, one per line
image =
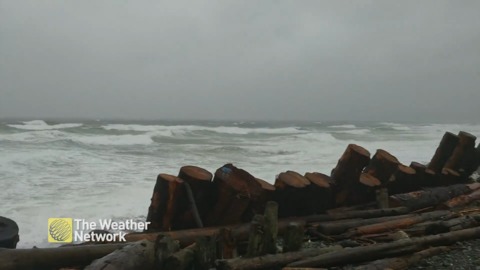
x=60 y=230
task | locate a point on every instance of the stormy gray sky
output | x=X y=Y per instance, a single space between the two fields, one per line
x=305 y=60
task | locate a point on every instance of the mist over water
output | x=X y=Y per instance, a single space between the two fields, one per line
x=107 y=169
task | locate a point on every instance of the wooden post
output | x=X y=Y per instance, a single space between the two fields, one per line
x=347 y=173
x=199 y=181
x=291 y=194
x=271 y=228
x=163 y=207
x=164 y=247
x=226 y=244
x=235 y=189
x=382 y=197
x=293 y=238
x=256 y=237
x=205 y=253
x=443 y=153
x=182 y=259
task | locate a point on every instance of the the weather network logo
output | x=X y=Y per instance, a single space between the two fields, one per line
x=60 y=230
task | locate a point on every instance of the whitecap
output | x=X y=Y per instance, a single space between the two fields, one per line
x=182 y=129
x=355 y=131
x=343 y=126
x=396 y=126
x=118 y=140
x=42 y=125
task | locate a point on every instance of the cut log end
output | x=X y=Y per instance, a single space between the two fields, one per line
x=467 y=136
x=382 y=154
x=169 y=178
x=447 y=171
x=290 y=178
x=359 y=150
x=265 y=185
x=417 y=166
x=319 y=179
x=406 y=169
x=196 y=173
x=369 y=180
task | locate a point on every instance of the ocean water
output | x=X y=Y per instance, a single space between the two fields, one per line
x=107 y=169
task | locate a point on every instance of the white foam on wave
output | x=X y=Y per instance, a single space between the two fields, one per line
x=343 y=126
x=361 y=131
x=182 y=129
x=42 y=125
x=118 y=140
x=38 y=136
x=396 y=126
x=315 y=136
x=46 y=136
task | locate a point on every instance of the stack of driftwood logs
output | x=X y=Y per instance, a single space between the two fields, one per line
x=369 y=213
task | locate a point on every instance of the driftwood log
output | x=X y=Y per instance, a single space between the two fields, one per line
x=443 y=226
x=167 y=192
x=443 y=153
x=403 y=180
x=36 y=258
x=241 y=231
x=348 y=189
x=461 y=200
x=403 y=262
x=395 y=224
x=383 y=165
x=431 y=197
x=376 y=251
x=422 y=178
x=258 y=204
x=340 y=226
x=292 y=194
x=198 y=191
x=182 y=259
x=8 y=233
x=140 y=255
x=321 y=190
x=462 y=156
x=272 y=261
x=234 y=190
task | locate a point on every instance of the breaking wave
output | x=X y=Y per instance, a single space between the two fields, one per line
x=42 y=125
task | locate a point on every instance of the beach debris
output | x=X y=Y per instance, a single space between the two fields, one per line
x=370 y=213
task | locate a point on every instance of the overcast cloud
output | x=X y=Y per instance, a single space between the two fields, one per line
x=305 y=60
